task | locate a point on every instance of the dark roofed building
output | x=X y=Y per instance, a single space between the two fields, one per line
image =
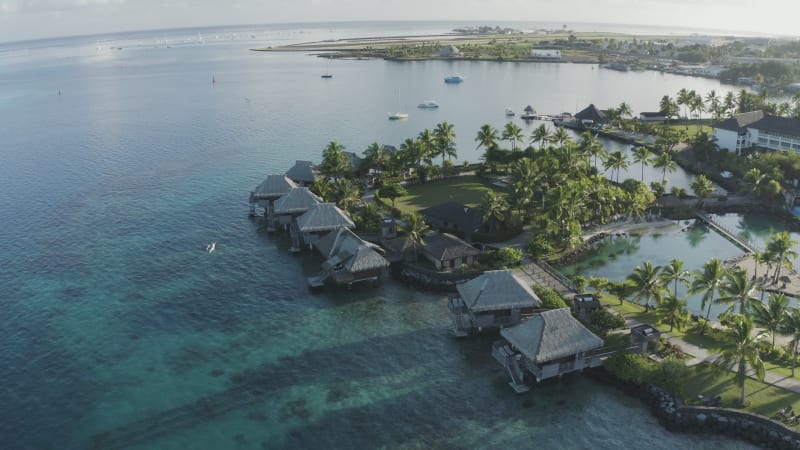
x=756 y=129
x=591 y=116
x=446 y=251
x=454 y=217
x=302 y=173
x=348 y=258
x=653 y=117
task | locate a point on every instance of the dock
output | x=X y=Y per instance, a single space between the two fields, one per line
x=730 y=235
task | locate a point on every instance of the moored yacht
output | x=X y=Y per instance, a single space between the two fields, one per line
x=428 y=104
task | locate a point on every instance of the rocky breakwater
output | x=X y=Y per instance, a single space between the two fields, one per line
x=758 y=430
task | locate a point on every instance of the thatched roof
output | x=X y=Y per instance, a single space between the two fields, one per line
x=551 y=335
x=462 y=217
x=445 y=246
x=297 y=200
x=342 y=246
x=323 y=217
x=591 y=114
x=273 y=187
x=302 y=172
x=497 y=289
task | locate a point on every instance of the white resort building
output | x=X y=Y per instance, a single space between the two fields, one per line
x=756 y=129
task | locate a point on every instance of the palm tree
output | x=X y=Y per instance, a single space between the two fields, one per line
x=714 y=104
x=738 y=289
x=322 y=188
x=413 y=153
x=415 y=230
x=334 y=161
x=780 y=246
x=560 y=136
x=740 y=351
x=487 y=137
x=646 y=283
x=673 y=311
x=708 y=282
x=445 y=135
x=696 y=106
x=674 y=273
x=729 y=104
x=375 y=156
x=623 y=111
x=702 y=188
x=494 y=209
x=641 y=154
x=791 y=327
x=772 y=315
x=665 y=163
x=683 y=100
x=347 y=194
x=540 y=135
x=513 y=133
x=668 y=107
x=427 y=143
x=616 y=161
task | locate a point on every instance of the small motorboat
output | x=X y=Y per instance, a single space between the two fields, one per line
x=510 y=112
x=398 y=116
x=428 y=104
x=454 y=79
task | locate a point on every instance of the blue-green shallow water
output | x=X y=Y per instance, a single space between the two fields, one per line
x=120 y=330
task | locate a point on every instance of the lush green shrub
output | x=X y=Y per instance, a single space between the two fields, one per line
x=606 y=321
x=671 y=374
x=509 y=256
x=539 y=246
x=631 y=367
x=550 y=298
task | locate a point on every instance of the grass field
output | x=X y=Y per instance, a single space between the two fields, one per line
x=468 y=190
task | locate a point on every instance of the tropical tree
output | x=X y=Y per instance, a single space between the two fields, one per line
x=673 y=311
x=513 y=133
x=696 y=106
x=668 y=107
x=741 y=350
x=738 y=289
x=702 y=188
x=445 y=135
x=616 y=161
x=624 y=111
x=729 y=104
x=674 y=273
x=540 y=135
x=641 y=154
x=494 y=209
x=375 y=157
x=683 y=100
x=791 y=327
x=708 y=282
x=392 y=191
x=771 y=315
x=414 y=154
x=487 y=137
x=780 y=246
x=428 y=145
x=560 y=136
x=714 y=104
x=646 y=284
x=347 y=193
x=334 y=162
x=664 y=162
x=415 y=231
x=591 y=147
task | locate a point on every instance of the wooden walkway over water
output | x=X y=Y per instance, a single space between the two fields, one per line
x=539 y=272
x=732 y=236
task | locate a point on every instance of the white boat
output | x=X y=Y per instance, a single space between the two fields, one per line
x=428 y=104
x=398 y=116
x=509 y=112
x=454 y=79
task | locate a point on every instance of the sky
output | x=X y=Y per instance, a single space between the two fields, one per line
x=33 y=19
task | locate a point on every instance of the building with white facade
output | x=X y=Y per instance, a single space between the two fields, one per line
x=756 y=129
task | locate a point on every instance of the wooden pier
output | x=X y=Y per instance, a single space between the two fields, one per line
x=740 y=242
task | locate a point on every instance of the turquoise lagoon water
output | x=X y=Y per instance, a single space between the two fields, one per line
x=120 y=331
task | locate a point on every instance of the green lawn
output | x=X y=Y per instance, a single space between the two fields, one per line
x=693 y=128
x=468 y=190
x=762 y=398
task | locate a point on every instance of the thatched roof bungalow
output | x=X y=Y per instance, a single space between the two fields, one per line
x=348 y=258
x=495 y=299
x=551 y=344
x=446 y=251
x=320 y=219
x=295 y=202
x=591 y=116
x=267 y=192
x=302 y=173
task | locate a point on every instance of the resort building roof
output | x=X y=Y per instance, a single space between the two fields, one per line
x=763 y=122
x=273 y=187
x=456 y=214
x=551 y=335
x=497 y=289
x=591 y=114
x=342 y=246
x=297 y=200
x=740 y=122
x=445 y=246
x=302 y=172
x=323 y=217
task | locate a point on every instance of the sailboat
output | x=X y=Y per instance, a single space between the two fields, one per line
x=398 y=115
x=327 y=73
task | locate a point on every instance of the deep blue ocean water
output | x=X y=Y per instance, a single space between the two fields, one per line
x=120 y=331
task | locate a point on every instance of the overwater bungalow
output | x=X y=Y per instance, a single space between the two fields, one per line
x=348 y=259
x=591 y=116
x=495 y=299
x=267 y=192
x=292 y=205
x=319 y=220
x=446 y=251
x=548 y=345
x=302 y=173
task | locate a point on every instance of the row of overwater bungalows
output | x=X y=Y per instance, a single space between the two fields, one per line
x=290 y=205
x=537 y=343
